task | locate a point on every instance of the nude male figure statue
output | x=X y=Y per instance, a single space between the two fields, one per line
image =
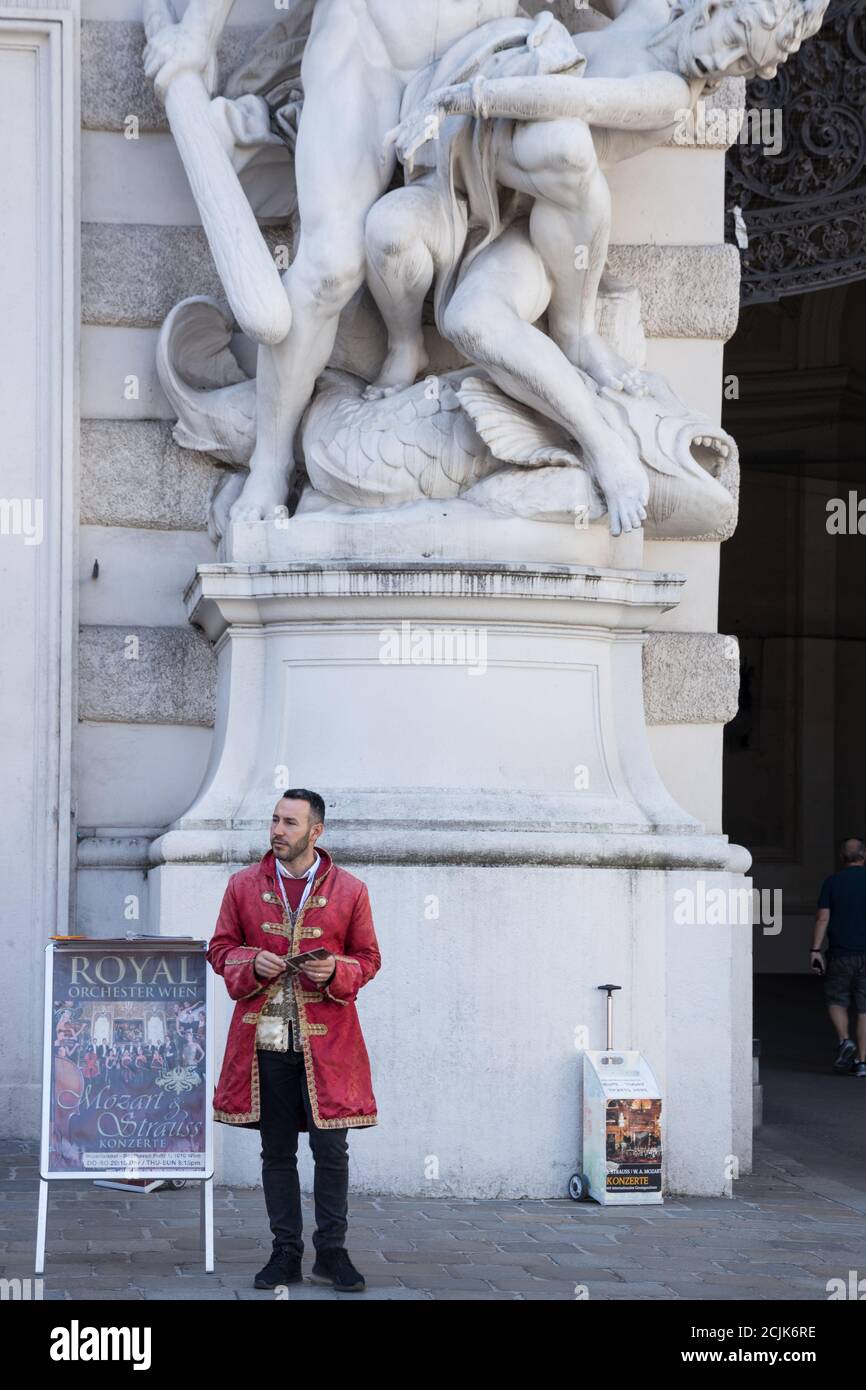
x=359 y=56
x=559 y=124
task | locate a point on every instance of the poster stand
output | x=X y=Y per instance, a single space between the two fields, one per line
x=622 y=1140
x=127 y=1076
x=205 y=1224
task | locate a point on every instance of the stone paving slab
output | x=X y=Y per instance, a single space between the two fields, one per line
x=782 y=1236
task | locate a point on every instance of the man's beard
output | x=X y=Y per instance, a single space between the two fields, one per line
x=293 y=851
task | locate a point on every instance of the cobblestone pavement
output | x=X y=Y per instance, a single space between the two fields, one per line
x=788 y=1230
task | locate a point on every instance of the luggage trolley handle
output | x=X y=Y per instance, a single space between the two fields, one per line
x=610 y=989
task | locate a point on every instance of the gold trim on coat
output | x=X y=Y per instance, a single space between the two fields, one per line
x=250 y=1116
x=350 y=1121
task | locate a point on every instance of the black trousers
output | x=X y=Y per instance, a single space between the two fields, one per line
x=285 y=1100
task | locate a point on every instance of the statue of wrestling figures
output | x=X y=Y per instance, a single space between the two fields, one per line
x=448 y=326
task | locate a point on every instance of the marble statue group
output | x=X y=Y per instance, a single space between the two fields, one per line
x=448 y=325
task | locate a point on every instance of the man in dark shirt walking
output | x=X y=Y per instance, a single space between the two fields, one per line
x=841 y=918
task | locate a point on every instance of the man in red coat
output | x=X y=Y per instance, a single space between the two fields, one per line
x=295 y=1057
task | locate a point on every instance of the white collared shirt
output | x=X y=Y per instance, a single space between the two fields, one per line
x=309 y=875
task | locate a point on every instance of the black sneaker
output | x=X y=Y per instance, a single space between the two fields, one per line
x=335 y=1268
x=281 y=1268
x=859 y=1067
x=845 y=1055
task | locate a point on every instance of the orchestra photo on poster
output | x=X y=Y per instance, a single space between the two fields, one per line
x=634 y=1144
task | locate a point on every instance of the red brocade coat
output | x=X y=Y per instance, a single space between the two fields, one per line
x=337 y=916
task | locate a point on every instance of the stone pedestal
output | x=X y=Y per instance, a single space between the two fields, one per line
x=477 y=731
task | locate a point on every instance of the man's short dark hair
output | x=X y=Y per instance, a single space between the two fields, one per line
x=317 y=805
x=852 y=849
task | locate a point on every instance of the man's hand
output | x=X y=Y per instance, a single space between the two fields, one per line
x=816 y=960
x=420 y=125
x=268 y=965
x=175 y=49
x=320 y=971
